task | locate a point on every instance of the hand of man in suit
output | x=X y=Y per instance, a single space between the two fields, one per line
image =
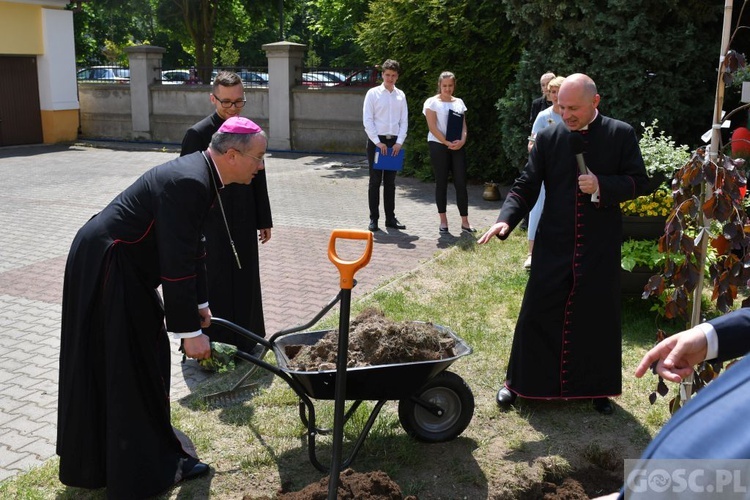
x=676 y=355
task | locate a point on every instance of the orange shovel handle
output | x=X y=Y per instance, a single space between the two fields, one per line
x=347 y=268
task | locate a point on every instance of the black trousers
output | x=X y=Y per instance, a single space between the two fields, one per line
x=377 y=177
x=446 y=160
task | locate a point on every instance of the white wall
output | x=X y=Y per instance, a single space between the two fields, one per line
x=57 y=66
x=322 y=119
x=105 y=111
x=328 y=119
x=177 y=107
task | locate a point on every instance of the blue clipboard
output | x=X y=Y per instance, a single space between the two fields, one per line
x=389 y=162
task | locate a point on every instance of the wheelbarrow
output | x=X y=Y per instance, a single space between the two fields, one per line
x=435 y=405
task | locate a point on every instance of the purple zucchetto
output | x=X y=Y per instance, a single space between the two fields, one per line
x=239 y=125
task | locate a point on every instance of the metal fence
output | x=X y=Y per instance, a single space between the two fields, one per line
x=340 y=77
x=250 y=76
x=317 y=77
x=104 y=74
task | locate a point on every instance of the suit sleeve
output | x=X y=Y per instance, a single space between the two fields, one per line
x=733 y=331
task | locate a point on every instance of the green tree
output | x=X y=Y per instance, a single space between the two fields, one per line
x=330 y=25
x=468 y=37
x=192 y=31
x=650 y=60
x=103 y=29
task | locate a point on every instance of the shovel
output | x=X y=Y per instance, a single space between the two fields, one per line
x=347 y=269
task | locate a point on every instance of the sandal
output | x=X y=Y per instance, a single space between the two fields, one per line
x=443 y=230
x=468 y=229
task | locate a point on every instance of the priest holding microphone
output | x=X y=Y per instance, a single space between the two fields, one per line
x=567 y=341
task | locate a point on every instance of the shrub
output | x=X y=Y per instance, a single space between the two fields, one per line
x=662 y=158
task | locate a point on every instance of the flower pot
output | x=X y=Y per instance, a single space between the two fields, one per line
x=643 y=228
x=491 y=192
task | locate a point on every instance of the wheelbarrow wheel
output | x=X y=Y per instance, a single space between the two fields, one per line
x=452 y=407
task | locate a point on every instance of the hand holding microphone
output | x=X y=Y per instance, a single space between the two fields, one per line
x=587 y=182
x=577 y=145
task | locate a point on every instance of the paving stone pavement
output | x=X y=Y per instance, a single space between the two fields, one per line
x=51 y=191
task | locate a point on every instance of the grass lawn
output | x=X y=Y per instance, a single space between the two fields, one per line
x=258 y=446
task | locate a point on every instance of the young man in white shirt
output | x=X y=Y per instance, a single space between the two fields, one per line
x=385 y=117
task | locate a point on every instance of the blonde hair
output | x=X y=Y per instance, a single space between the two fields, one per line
x=547 y=76
x=443 y=76
x=556 y=82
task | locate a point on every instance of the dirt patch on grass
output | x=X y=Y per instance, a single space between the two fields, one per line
x=375 y=340
x=582 y=484
x=376 y=485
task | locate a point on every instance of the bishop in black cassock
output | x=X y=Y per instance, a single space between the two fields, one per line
x=567 y=341
x=114 y=426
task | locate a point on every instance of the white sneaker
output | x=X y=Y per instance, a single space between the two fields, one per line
x=527 y=262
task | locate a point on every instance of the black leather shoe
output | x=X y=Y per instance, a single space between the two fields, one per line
x=394 y=224
x=192 y=468
x=373 y=226
x=603 y=406
x=505 y=397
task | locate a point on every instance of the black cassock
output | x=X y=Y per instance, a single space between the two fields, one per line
x=567 y=342
x=234 y=294
x=114 y=425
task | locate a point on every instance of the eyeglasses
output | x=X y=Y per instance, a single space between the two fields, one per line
x=226 y=104
x=261 y=160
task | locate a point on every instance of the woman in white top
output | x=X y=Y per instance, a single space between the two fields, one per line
x=546 y=118
x=446 y=140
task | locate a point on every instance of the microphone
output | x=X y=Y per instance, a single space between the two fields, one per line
x=577 y=145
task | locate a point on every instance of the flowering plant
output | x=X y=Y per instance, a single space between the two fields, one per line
x=660 y=154
x=662 y=158
x=658 y=203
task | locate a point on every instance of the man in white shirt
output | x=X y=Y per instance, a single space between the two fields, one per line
x=385 y=117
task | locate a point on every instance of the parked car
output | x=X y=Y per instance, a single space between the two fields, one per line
x=253 y=78
x=175 y=76
x=335 y=76
x=318 y=79
x=368 y=77
x=104 y=74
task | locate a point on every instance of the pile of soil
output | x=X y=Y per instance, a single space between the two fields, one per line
x=374 y=340
x=582 y=484
x=376 y=485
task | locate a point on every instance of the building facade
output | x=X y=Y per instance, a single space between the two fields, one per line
x=38 y=91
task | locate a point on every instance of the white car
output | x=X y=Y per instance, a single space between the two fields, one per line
x=175 y=76
x=104 y=74
x=316 y=79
